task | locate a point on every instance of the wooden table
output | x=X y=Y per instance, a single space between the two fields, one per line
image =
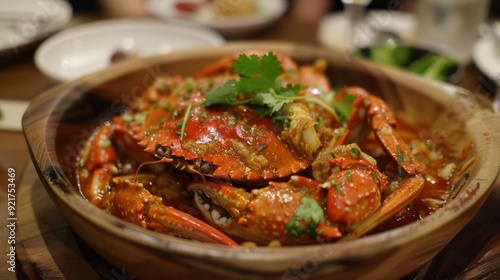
x=47 y=248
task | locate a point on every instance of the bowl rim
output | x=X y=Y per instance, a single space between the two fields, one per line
x=192 y=249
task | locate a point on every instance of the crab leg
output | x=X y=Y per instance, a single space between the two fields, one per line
x=395 y=146
x=383 y=124
x=135 y=204
x=403 y=195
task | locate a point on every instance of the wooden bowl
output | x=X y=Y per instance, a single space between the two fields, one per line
x=59 y=121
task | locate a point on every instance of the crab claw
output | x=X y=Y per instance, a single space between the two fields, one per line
x=354 y=192
x=135 y=204
x=403 y=195
x=266 y=214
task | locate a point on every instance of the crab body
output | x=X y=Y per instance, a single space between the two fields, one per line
x=226 y=143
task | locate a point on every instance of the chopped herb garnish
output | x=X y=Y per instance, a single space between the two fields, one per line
x=176 y=113
x=285 y=121
x=356 y=152
x=186 y=119
x=400 y=168
x=375 y=177
x=344 y=109
x=336 y=187
x=319 y=126
x=188 y=85
x=305 y=219
x=349 y=175
x=262 y=147
x=166 y=106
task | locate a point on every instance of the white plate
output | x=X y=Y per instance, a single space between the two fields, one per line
x=84 y=49
x=25 y=21
x=486 y=55
x=218 y=17
x=332 y=28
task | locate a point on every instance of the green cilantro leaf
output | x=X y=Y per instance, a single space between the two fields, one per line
x=269 y=100
x=355 y=152
x=344 y=109
x=223 y=94
x=309 y=212
x=257 y=75
x=402 y=158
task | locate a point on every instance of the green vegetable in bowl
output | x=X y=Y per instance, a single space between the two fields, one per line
x=433 y=66
x=397 y=56
x=425 y=63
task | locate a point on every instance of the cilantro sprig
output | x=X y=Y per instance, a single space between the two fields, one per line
x=259 y=86
x=309 y=212
x=257 y=75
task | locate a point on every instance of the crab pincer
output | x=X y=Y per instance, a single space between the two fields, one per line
x=289 y=212
x=135 y=204
x=411 y=175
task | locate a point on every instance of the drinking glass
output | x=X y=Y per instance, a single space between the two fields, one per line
x=450 y=26
x=355 y=13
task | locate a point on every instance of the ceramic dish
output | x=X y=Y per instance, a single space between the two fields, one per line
x=84 y=49
x=24 y=22
x=332 y=29
x=59 y=121
x=220 y=17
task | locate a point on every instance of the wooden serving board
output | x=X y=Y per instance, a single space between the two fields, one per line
x=47 y=248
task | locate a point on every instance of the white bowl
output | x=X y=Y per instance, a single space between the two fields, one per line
x=87 y=48
x=25 y=22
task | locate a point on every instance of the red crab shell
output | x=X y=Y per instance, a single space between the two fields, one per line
x=233 y=141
